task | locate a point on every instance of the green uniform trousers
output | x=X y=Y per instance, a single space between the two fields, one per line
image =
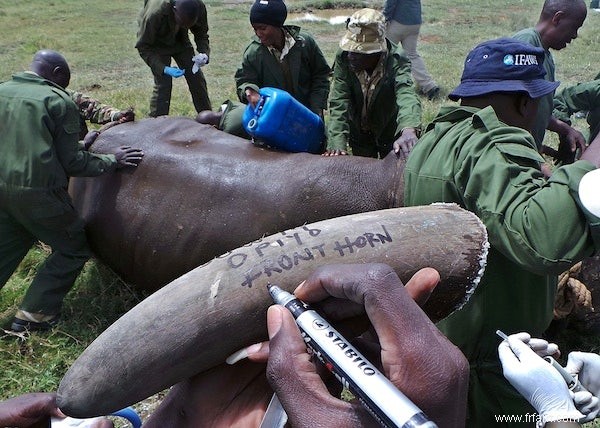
x=28 y=215
x=232 y=119
x=364 y=143
x=163 y=85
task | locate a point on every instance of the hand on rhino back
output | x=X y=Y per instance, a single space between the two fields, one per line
x=127 y=156
x=124 y=155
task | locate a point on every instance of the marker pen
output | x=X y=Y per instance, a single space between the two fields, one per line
x=389 y=406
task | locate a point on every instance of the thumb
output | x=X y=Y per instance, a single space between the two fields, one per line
x=573 y=146
x=521 y=350
x=274 y=320
x=283 y=330
x=507 y=357
x=289 y=362
x=523 y=353
x=422 y=284
x=574 y=362
x=294 y=377
x=581 y=398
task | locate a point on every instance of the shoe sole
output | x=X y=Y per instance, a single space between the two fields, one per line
x=21 y=327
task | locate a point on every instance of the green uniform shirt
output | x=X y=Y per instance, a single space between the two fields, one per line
x=394 y=104
x=39 y=134
x=531 y=36
x=584 y=96
x=536 y=229
x=308 y=69
x=159 y=34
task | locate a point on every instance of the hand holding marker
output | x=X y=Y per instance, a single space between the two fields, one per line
x=381 y=398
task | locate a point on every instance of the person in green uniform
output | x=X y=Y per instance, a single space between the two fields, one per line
x=227 y=119
x=284 y=57
x=40 y=149
x=482 y=156
x=373 y=105
x=581 y=97
x=162 y=35
x=557 y=26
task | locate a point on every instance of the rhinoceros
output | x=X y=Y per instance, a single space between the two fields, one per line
x=200 y=192
x=203 y=201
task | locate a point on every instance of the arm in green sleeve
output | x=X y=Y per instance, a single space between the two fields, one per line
x=145 y=45
x=584 y=96
x=339 y=106
x=561 y=110
x=200 y=31
x=538 y=224
x=80 y=163
x=247 y=74
x=409 y=105
x=74 y=159
x=319 y=90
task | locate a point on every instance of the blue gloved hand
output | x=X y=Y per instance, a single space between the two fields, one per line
x=173 y=71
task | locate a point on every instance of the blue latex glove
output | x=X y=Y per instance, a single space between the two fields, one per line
x=173 y=71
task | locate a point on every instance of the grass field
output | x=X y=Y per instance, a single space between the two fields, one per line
x=98 y=40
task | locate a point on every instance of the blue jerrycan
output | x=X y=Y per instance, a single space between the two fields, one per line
x=282 y=122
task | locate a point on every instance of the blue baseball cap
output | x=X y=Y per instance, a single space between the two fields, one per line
x=504 y=65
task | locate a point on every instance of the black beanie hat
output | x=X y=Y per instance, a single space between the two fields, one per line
x=270 y=12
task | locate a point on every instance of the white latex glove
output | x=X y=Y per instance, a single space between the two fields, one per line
x=587 y=404
x=69 y=422
x=587 y=367
x=200 y=60
x=540 y=346
x=537 y=381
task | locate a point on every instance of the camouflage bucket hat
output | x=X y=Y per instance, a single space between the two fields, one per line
x=365 y=32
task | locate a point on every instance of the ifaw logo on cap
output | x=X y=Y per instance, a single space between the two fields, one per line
x=520 y=59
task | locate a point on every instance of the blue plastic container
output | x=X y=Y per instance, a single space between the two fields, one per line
x=131 y=415
x=282 y=122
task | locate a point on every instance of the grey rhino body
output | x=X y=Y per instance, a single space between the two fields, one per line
x=199 y=193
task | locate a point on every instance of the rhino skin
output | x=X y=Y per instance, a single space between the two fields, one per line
x=200 y=192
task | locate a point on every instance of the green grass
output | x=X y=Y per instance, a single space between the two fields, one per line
x=98 y=40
